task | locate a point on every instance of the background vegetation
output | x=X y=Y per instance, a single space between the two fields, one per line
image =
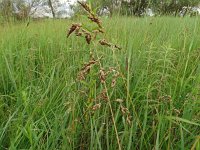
x=138 y=7
x=23 y=9
x=155 y=103
x=42 y=106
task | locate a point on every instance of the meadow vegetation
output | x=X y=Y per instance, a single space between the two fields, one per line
x=44 y=106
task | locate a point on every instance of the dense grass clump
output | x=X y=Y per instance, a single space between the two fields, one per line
x=43 y=106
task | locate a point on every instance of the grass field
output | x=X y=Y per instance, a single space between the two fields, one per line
x=43 y=106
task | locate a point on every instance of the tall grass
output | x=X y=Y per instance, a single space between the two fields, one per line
x=42 y=105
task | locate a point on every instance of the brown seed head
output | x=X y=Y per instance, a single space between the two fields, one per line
x=104 y=43
x=85 y=6
x=103 y=95
x=75 y=26
x=86 y=69
x=128 y=119
x=77 y=31
x=102 y=75
x=88 y=38
x=95 y=19
x=124 y=110
x=96 y=107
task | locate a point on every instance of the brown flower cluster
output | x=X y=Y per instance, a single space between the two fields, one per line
x=75 y=27
x=80 y=31
x=103 y=95
x=89 y=36
x=103 y=42
x=91 y=14
x=103 y=75
x=107 y=77
x=86 y=69
x=126 y=114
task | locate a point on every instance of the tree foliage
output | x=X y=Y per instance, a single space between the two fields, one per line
x=167 y=7
x=134 y=7
x=17 y=9
x=138 y=7
x=23 y=9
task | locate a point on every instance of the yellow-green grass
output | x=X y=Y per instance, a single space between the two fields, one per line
x=41 y=106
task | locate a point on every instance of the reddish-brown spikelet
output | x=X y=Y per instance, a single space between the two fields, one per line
x=91 y=16
x=102 y=75
x=75 y=26
x=77 y=31
x=95 y=19
x=104 y=43
x=124 y=110
x=115 y=76
x=86 y=69
x=103 y=95
x=128 y=119
x=88 y=38
x=96 y=107
x=85 y=6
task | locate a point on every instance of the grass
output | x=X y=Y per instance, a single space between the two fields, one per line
x=42 y=106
